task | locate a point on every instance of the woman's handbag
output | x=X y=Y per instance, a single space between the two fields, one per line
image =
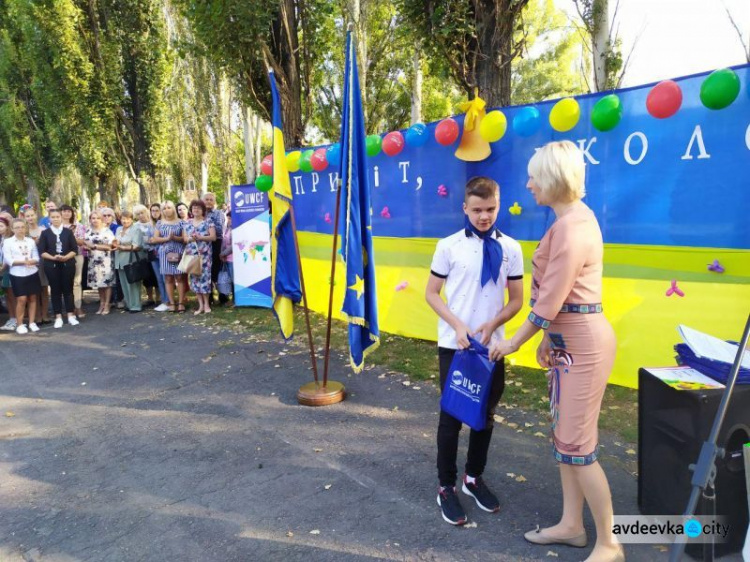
x=467 y=387
x=174 y=257
x=138 y=269
x=191 y=263
x=224 y=281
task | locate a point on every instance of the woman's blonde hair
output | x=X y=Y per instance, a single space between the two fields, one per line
x=559 y=171
x=138 y=209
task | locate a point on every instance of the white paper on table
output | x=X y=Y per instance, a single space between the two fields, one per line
x=710 y=347
x=683 y=377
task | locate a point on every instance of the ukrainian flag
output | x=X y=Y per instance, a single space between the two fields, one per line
x=285 y=284
x=360 y=300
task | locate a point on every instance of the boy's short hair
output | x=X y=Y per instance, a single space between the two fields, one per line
x=482 y=187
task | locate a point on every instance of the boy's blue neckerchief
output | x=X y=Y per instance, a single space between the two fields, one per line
x=492 y=257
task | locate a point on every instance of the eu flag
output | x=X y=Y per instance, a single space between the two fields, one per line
x=360 y=300
x=285 y=283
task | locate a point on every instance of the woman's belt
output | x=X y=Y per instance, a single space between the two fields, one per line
x=576 y=308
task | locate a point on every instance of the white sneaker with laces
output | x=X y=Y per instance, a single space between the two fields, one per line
x=10 y=325
x=33 y=327
x=58 y=323
x=73 y=321
x=162 y=308
x=22 y=329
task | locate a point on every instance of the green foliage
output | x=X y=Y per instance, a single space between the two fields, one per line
x=548 y=68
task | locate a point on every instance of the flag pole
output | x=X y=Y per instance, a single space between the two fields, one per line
x=333 y=276
x=312 y=394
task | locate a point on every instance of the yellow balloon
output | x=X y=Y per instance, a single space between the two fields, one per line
x=292 y=161
x=565 y=115
x=493 y=126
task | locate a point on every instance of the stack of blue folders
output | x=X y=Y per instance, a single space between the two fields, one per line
x=717 y=370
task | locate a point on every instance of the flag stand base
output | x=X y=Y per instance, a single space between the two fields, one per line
x=315 y=394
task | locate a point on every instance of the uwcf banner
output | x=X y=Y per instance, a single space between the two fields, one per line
x=251 y=246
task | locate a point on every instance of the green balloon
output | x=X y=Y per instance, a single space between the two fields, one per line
x=373 y=144
x=304 y=162
x=720 y=89
x=264 y=183
x=607 y=113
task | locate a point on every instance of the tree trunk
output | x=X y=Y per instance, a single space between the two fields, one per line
x=416 y=89
x=285 y=48
x=249 y=138
x=600 y=44
x=495 y=24
x=32 y=194
x=204 y=174
x=358 y=11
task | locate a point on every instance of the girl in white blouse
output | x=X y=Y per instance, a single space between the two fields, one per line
x=21 y=254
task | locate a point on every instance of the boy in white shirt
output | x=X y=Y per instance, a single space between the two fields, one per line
x=475 y=264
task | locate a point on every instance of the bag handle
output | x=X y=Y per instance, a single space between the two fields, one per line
x=479 y=348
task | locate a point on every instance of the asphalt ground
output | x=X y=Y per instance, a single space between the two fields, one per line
x=140 y=437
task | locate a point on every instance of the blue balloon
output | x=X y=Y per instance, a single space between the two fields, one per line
x=416 y=135
x=527 y=121
x=333 y=155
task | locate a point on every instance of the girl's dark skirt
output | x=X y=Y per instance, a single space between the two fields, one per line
x=26 y=286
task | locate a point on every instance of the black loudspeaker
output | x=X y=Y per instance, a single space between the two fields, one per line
x=672 y=427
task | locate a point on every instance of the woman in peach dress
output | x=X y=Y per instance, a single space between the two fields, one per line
x=578 y=346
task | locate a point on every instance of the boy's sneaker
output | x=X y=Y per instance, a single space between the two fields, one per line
x=73 y=321
x=450 y=506
x=477 y=489
x=58 y=323
x=9 y=326
x=163 y=307
x=33 y=327
x=22 y=329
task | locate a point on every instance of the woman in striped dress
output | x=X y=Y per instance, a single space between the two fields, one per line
x=168 y=239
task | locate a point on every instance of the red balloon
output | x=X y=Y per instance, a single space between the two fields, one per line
x=393 y=143
x=664 y=99
x=319 y=160
x=446 y=132
x=266 y=165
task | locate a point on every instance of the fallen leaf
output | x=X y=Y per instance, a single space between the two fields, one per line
x=539 y=434
x=406 y=383
x=317 y=450
x=614 y=407
x=630 y=452
x=510 y=474
x=206 y=359
x=395 y=408
x=83 y=384
x=417 y=387
x=499 y=419
x=315 y=532
x=471 y=525
x=513 y=425
x=552 y=553
x=520 y=478
x=327 y=486
x=661 y=548
x=529 y=424
x=9 y=414
x=289 y=534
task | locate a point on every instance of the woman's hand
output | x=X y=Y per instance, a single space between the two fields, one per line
x=501 y=349
x=543 y=354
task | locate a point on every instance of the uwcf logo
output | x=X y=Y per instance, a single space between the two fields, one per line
x=458 y=379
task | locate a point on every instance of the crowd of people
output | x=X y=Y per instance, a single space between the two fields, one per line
x=165 y=248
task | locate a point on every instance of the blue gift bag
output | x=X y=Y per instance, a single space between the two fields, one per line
x=467 y=387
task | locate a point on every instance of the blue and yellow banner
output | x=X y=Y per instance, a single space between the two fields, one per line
x=666 y=181
x=360 y=306
x=285 y=282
